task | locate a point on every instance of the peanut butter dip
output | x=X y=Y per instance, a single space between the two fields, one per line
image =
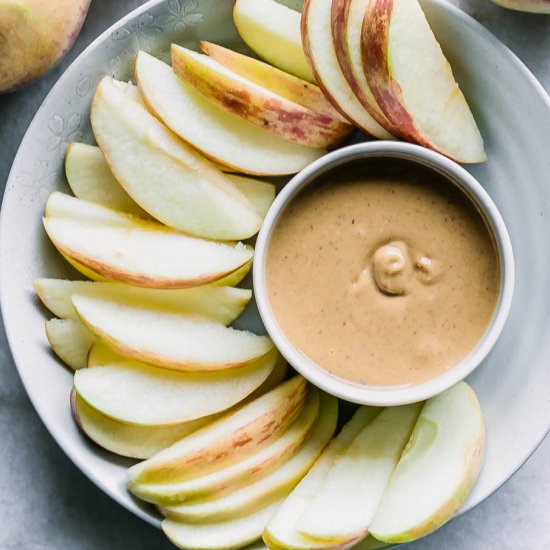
x=386 y=280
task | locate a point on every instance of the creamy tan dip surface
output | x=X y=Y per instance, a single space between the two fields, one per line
x=383 y=280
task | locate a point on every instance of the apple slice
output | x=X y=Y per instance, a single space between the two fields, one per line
x=243 y=473
x=284 y=84
x=346 y=22
x=227 y=535
x=343 y=509
x=426 y=103
x=70 y=340
x=169 y=340
x=143 y=256
x=268 y=489
x=219 y=135
x=437 y=470
x=255 y=103
x=232 y=438
x=125 y=439
x=530 y=6
x=321 y=55
x=142 y=395
x=272 y=30
x=165 y=176
x=281 y=531
x=101 y=355
x=90 y=178
x=223 y=304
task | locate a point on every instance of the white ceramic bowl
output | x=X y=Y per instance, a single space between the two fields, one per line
x=456 y=176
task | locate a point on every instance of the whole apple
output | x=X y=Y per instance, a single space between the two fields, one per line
x=533 y=6
x=34 y=35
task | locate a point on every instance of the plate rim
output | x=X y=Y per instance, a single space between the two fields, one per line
x=50 y=427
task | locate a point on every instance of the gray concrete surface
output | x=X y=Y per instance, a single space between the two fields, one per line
x=46 y=503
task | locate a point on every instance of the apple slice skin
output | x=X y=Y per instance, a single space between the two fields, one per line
x=340 y=19
x=472 y=462
x=328 y=74
x=301 y=91
x=279 y=408
x=255 y=104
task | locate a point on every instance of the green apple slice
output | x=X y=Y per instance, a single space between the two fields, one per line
x=343 y=509
x=145 y=256
x=321 y=55
x=413 y=83
x=281 y=531
x=142 y=395
x=269 y=488
x=223 y=304
x=272 y=30
x=232 y=438
x=227 y=535
x=70 y=340
x=127 y=439
x=166 y=177
x=242 y=473
x=437 y=470
x=220 y=136
x=91 y=179
x=255 y=103
x=169 y=340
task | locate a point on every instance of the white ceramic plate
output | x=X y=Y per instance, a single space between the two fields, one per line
x=514 y=114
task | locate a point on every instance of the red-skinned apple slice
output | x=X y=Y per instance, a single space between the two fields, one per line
x=269 y=488
x=321 y=55
x=219 y=135
x=165 y=176
x=413 y=83
x=272 y=30
x=300 y=91
x=235 y=436
x=169 y=340
x=437 y=470
x=142 y=395
x=143 y=256
x=347 y=21
x=256 y=104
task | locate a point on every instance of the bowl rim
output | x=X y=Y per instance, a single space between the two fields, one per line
x=456 y=175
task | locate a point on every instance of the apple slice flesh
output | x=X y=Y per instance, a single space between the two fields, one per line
x=272 y=30
x=343 y=509
x=243 y=473
x=255 y=103
x=169 y=340
x=70 y=340
x=101 y=355
x=142 y=395
x=530 y=6
x=91 y=179
x=321 y=55
x=226 y=535
x=235 y=436
x=165 y=176
x=223 y=304
x=284 y=84
x=346 y=24
x=126 y=439
x=144 y=256
x=220 y=136
x=425 y=103
x=270 y=488
x=281 y=531
x=437 y=470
